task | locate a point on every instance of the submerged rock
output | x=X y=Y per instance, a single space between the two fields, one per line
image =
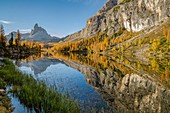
x=2 y=91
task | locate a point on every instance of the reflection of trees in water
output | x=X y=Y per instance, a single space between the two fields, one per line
x=124 y=92
x=112 y=77
x=33 y=57
x=122 y=65
x=126 y=66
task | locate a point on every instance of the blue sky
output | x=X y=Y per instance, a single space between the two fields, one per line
x=58 y=17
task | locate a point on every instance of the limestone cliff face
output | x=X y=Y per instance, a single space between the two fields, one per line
x=134 y=15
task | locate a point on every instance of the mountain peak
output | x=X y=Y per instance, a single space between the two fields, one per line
x=38 y=29
x=37 y=34
x=109 y=4
x=36 y=26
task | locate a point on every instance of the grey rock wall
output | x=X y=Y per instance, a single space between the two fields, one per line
x=135 y=15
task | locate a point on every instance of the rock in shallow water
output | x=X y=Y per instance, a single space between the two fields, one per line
x=2 y=91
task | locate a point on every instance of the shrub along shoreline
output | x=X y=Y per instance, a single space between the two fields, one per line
x=5 y=102
x=35 y=94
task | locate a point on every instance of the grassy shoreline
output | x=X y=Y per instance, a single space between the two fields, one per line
x=35 y=94
x=5 y=101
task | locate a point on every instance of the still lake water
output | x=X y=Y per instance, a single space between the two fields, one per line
x=113 y=84
x=65 y=78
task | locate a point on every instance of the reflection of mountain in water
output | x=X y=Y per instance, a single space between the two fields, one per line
x=130 y=93
x=40 y=65
x=118 y=82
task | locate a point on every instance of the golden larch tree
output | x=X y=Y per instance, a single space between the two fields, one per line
x=168 y=36
x=18 y=38
x=164 y=31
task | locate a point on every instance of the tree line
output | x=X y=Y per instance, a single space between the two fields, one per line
x=4 y=43
x=115 y=42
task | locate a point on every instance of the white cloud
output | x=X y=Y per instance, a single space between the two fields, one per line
x=25 y=30
x=5 y=22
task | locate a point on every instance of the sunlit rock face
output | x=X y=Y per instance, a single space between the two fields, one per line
x=135 y=16
x=130 y=93
x=109 y=5
x=141 y=14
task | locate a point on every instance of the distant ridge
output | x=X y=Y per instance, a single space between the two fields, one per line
x=37 y=34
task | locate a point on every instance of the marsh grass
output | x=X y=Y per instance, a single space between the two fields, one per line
x=35 y=94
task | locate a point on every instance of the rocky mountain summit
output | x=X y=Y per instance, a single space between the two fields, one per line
x=40 y=34
x=109 y=5
x=132 y=15
x=37 y=29
x=37 y=34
